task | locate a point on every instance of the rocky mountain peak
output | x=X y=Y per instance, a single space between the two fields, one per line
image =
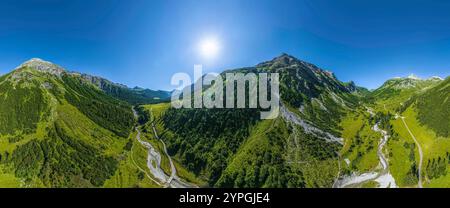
x=43 y=66
x=414 y=77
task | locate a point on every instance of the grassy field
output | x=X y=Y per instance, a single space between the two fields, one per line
x=133 y=170
x=432 y=147
x=81 y=127
x=440 y=182
x=360 y=142
x=8 y=180
x=403 y=154
x=351 y=124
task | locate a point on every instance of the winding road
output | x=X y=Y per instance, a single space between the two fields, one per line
x=420 y=152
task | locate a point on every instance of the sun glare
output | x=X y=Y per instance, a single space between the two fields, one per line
x=209 y=48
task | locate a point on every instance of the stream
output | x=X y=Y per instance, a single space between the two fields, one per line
x=382 y=177
x=154 y=162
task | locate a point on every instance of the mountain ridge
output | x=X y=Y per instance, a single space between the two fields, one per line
x=313 y=100
x=325 y=131
x=58 y=131
x=134 y=95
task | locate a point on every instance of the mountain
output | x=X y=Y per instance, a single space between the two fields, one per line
x=56 y=130
x=434 y=108
x=234 y=148
x=329 y=133
x=315 y=94
x=134 y=95
x=394 y=92
x=413 y=113
x=67 y=129
x=398 y=86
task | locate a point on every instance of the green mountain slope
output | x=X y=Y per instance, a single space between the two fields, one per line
x=414 y=114
x=66 y=129
x=434 y=108
x=399 y=90
x=57 y=130
x=303 y=147
x=429 y=96
x=314 y=94
x=233 y=148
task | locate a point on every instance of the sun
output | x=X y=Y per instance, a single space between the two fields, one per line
x=209 y=48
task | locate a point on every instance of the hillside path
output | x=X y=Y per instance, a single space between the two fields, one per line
x=420 y=152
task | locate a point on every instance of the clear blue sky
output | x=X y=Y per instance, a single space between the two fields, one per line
x=144 y=42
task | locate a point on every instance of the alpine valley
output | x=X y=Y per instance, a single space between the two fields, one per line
x=66 y=129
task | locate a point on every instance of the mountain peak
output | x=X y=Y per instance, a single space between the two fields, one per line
x=436 y=78
x=413 y=76
x=285 y=55
x=285 y=58
x=43 y=66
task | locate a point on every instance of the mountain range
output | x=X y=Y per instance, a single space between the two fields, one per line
x=67 y=129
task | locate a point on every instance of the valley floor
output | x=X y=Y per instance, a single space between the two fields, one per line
x=410 y=154
x=154 y=160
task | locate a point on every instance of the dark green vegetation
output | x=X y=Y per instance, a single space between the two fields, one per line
x=437 y=167
x=57 y=130
x=61 y=161
x=205 y=138
x=239 y=150
x=233 y=148
x=434 y=108
x=99 y=107
x=279 y=154
x=21 y=108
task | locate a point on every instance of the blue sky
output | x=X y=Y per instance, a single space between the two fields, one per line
x=144 y=42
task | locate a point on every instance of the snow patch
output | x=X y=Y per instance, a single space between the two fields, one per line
x=413 y=76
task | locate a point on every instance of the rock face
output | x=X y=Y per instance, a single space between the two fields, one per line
x=44 y=66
